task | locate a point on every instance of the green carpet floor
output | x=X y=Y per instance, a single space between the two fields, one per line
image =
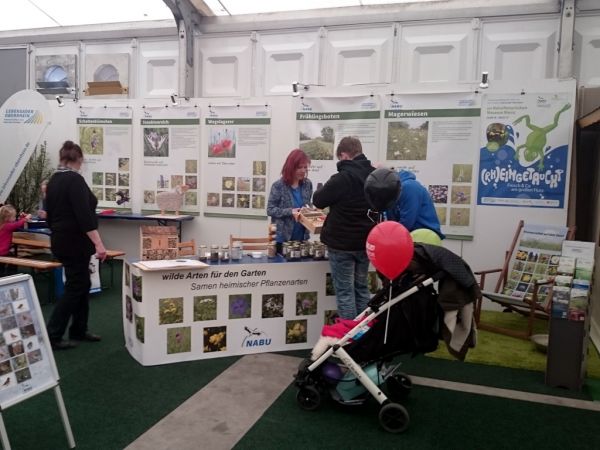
x=111 y=400
x=440 y=419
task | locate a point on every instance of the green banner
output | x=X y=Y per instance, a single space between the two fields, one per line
x=86 y=121
x=245 y=121
x=420 y=113
x=167 y=122
x=338 y=115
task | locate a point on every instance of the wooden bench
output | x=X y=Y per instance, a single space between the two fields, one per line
x=32 y=243
x=35 y=264
x=44 y=244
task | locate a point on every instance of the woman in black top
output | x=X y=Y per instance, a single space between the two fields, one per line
x=71 y=216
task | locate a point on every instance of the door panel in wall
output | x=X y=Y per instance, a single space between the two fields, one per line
x=359 y=56
x=225 y=66
x=520 y=50
x=14 y=72
x=587 y=45
x=159 y=65
x=285 y=58
x=440 y=53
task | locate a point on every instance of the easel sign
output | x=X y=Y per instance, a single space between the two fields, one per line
x=27 y=365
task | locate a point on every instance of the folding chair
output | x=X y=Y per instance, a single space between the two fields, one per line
x=525 y=282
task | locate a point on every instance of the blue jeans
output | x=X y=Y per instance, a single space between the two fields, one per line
x=349 y=272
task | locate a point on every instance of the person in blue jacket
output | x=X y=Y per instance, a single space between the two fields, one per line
x=287 y=196
x=414 y=208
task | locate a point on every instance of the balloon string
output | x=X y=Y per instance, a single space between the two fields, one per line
x=387 y=317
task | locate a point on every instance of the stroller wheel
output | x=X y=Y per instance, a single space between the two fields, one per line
x=394 y=418
x=309 y=398
x=399 y=385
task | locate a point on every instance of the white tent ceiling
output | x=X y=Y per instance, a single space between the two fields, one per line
x=32 y=14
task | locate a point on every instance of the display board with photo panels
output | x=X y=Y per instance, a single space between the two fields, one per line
x=236 y=149
x=27 y=364
x=184 y=314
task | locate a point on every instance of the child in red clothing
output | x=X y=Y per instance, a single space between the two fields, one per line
x=8 y=224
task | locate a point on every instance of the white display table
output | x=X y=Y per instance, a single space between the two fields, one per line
x=255 y=306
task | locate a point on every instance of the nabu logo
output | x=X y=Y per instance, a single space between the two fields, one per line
x=255 y=338
x=306 y=107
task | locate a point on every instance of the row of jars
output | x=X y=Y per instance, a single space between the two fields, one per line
x=297 y=250
x=291 y=251
x=216 y=253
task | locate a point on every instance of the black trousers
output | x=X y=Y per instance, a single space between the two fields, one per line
x=74 y=304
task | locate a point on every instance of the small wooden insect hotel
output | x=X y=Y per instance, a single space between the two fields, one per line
x=158 y=242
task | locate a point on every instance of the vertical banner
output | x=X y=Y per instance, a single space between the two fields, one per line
x=435 y=137
x=24 y=117
x=171 y=139
x=323 y=122
x=105 y=139
x=237 y=149
x=524 y=154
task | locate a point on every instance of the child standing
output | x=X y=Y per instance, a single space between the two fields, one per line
x=8 y=224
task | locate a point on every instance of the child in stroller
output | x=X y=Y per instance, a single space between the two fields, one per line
x=417 y=316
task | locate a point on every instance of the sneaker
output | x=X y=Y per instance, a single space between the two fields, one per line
x=88 y=337
x=63 y=345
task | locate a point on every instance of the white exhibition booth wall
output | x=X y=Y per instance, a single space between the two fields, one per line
x=492 y=226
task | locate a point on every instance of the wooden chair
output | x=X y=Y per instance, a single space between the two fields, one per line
x=515 y=276
x=250 y=244
x=187 y=248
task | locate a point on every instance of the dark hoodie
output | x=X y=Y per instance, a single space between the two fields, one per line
x=347 y=225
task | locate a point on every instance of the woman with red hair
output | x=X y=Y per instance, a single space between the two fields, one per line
x=288 y=194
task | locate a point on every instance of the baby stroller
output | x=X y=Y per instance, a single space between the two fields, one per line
x=414 y=326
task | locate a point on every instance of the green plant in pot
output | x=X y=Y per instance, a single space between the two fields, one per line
x=25 y=195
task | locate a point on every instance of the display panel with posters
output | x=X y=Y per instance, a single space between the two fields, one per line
x=171 y=139
x=434 y=136
x=524 y=152
x=322 y=122
x=105 y=139
x=236 y=151
x=27 y=365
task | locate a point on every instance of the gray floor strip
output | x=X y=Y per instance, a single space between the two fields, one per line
x=506 y=393
x=218 y=415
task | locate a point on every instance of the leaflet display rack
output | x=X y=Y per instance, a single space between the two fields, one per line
x=27 y=365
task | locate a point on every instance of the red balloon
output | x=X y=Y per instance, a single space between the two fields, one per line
x=390 y=248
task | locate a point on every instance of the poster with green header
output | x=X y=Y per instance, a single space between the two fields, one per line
x=235 y=154
x=171 y=139
x=105 y=140
x=322 y=122
x=435 y=136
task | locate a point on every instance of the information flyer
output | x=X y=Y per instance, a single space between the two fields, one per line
x=27 y=364
x=435 y=137
x=524 y=151
x=535 y=258
x=105 y=139
x=323 y=122
x=236 y=149
x=171 y=139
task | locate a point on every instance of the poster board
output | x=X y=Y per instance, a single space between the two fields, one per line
x=433 y=136
x=105 y=137
x=321 y=122
x=27 y=365
x=236 y=149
